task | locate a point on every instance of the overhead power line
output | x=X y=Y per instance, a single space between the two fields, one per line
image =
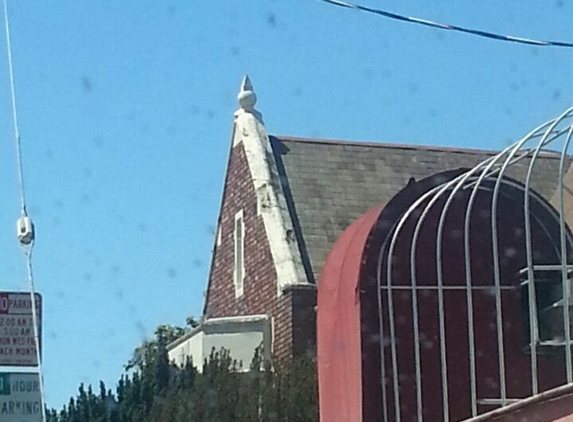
x=477 y=32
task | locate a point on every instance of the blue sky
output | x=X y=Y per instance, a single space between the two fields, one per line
x=126 y=113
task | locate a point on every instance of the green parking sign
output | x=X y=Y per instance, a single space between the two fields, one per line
x=20 y=399
x=4 y=384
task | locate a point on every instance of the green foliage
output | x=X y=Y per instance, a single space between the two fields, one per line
x=159 y=392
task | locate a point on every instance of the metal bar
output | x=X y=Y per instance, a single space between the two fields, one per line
x=421 y=287
x=459 y=180
x=395 y=375
x=393 y=242
x=488 y=171
x=532 y=302
x=467 y=259
x=564 y=261
x=467 y=287
x=459 y=183
x=419 y=405
x=381 y=329
x=497 y=402
x=497 y=281
x=499 y=319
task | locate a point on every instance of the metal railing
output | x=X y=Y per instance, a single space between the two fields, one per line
x=489 y=178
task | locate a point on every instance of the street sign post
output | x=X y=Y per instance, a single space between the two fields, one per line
x=20 y=398
x=17 y=341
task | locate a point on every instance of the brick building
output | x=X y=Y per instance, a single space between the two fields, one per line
x=287 y=204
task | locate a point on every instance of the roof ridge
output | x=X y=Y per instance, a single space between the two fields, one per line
x=375 y=144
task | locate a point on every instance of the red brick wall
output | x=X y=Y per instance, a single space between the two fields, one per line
x=260 y=287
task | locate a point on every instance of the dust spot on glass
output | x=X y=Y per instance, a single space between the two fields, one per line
x=96 y=363
x=35 y=210
x=271 y=20
x=58 y=203
x=297 y=91
x=87 y=277
x=485 y=213
x=197 y=263
x=85 y=198
x=119 y=293
x=49 y=154
x=60 y=294
x=235 y=51
x=210 y=114
x=98 y=143
x=386 y=341
x=87 y=173
x=171 y=272
x=556 y=94
x=52 y=335
x=87 y=84
x=195 y=109
x=132 y=310
x=491 y=382
x=55 y=221
x=141 y=328
x=439 y=35
x=510 y=252
x=171 y=9
x=142 y=227
x=559 y=4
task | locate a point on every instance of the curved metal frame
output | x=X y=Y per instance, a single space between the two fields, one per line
x=492 y=169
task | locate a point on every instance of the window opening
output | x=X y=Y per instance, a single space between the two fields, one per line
x=239 y=252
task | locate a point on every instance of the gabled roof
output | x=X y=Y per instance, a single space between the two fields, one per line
x=329 y=184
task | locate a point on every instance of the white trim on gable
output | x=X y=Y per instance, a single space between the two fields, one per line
x=271 y=203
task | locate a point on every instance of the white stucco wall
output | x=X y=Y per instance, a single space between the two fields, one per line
x=240 y=335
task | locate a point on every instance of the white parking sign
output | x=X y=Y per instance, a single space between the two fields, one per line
x=17 y=339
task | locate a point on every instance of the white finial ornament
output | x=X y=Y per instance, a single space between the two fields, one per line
x=247 y=97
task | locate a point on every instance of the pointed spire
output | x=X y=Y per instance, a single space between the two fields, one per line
x=247 y=97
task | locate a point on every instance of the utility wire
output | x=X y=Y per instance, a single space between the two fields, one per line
x=26 y=246
x=477 y=32
x=15 y=114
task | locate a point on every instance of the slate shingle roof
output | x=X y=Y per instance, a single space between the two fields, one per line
x=329 y=184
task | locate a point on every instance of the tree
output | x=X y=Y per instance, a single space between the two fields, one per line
x=155 y=391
